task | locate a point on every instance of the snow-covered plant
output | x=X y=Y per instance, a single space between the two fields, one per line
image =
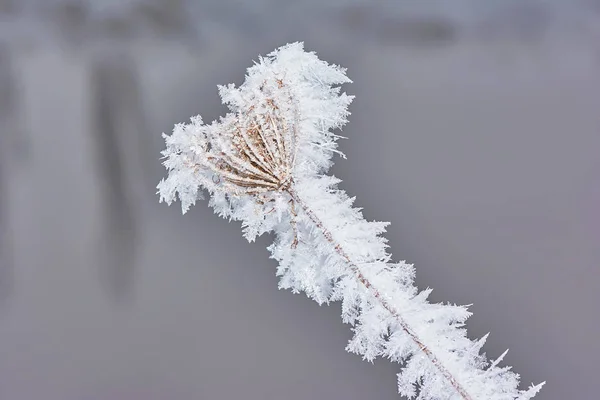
x=265 y=164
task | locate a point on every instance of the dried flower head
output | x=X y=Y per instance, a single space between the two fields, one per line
x=255 y=149
x=278 y=131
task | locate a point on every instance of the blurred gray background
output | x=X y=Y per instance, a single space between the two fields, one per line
x=475 y=131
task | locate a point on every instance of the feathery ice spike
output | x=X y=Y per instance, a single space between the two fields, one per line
x=265 y=164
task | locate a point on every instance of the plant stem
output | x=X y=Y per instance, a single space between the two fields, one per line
x=377 y=295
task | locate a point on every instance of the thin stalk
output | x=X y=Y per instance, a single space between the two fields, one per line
x=377 y=295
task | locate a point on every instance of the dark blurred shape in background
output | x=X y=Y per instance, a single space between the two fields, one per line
x=13 y=153
x=118 y=124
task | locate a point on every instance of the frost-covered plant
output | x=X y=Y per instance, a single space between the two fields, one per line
x=265 y=164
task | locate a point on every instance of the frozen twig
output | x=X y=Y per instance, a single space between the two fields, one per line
x=265 y=164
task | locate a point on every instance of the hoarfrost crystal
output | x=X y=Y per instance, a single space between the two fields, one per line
x=265 y=164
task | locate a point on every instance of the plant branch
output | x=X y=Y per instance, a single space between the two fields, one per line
x=377 y=295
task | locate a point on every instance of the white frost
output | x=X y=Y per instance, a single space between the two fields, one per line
x=323 y=244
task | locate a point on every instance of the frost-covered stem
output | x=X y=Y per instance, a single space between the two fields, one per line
x=268 y=158
x=377 y=295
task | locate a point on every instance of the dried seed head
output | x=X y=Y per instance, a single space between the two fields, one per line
x=277 y=133
x=253 y=150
